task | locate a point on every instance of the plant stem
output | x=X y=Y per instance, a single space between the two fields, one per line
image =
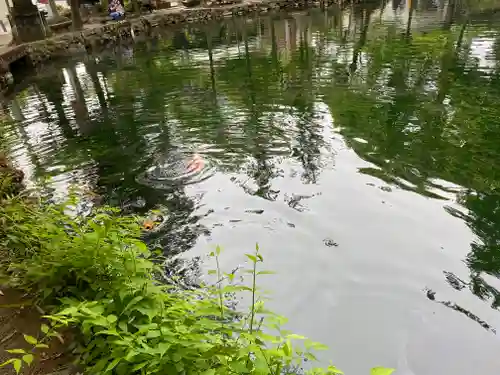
x=254 y=287
x=219 y=288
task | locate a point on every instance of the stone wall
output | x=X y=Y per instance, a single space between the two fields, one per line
x=88 y=40
x=97 y=37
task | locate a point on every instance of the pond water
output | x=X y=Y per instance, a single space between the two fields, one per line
x=360 y=151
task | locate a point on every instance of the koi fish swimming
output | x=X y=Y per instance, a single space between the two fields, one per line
x=196 y=164
x=176 y=166
x=152 y=222
x=172 y=169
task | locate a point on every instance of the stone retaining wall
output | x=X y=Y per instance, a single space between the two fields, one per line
x=96 y=38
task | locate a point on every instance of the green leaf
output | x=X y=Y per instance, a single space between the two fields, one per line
x=41 y=346
x=139 y=366
x=287 y=348
x=68 y=311
x=133 y=302
x=293 y=336
x=111 y=318
x=113 y=364
x=44 y=328
x=311 y=357
x=30 y=339
x=253 y=258
x=131 y=354
x=153 y=334
x=179 y=366
x=123 y=326
x=212 y=272
x=141 y=246
x=163 y=348
x=122 y=342
x=99 y=366
x=217 y=250
x=318 y=346
x=17 y=365
x=9 y=361
x=123 y=293
x=260 y=363
x=266 y=273
x=28 y=358
x=208 y=372
x=335 y=370
x=16 y=351
x=110 y=332
x=381 y=371
x=238 y=367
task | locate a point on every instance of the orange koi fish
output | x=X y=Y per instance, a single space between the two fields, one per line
x=196 y=164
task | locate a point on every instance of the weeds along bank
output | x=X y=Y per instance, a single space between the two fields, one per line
x=94 y=275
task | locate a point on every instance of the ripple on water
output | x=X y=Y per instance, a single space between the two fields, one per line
x=165 y=175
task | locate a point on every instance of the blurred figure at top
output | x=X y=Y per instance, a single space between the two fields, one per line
x=116 y=9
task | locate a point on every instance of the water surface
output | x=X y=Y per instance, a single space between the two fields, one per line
x=359 y=150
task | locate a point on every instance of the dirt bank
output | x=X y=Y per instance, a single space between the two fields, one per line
x=18 y=317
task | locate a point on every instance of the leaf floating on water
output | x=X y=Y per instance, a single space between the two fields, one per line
x=258 y=212
x=329 y=242
x=431 y=295
x=360 y=140
x=454 y=281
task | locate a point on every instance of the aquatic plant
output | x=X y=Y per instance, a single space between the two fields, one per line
x=94 y=276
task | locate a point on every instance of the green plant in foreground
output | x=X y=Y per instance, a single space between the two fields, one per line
x=95 y=276
x=27 y=356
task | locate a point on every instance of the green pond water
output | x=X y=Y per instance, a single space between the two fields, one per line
x=361 y=153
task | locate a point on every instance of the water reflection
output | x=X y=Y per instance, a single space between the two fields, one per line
x=300 y=118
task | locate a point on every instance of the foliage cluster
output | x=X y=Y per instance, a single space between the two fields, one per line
x=94 y=275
